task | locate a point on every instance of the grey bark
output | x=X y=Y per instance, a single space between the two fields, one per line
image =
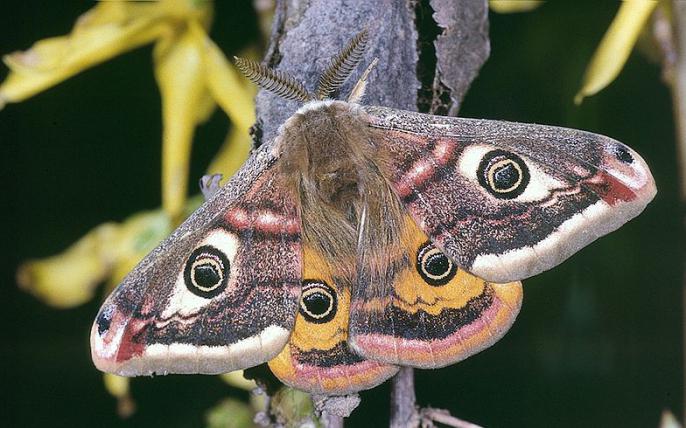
x=308 y=33
x=461 y=48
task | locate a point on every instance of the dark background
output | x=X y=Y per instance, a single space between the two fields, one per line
x=598 y=341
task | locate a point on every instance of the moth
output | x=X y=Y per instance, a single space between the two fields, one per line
x=369 y=238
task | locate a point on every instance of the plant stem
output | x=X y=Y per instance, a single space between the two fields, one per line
x=403 y=400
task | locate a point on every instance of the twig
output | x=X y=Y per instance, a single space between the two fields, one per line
x=332 y=421
x=429 y=415
x=333 y=409
x=403 y=400
x=305 y=32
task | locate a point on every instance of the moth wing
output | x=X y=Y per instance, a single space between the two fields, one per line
x=507 y=201
x=430 y=313
x=317 y=358
x=220 y=294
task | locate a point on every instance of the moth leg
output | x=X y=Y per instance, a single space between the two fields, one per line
x=209 y=185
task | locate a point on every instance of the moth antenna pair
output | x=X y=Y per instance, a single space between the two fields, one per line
x=286 y=86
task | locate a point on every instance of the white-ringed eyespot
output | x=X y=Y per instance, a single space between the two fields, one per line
x=318 y=301
x=434 y=266
x=503 y=174
x=207 y=271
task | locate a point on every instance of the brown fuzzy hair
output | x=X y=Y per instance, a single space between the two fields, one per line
x=349 y=213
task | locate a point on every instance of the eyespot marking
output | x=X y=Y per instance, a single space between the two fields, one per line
x=623 y=154
x=503 y=174
x=318 y=303
x=104 y=320
x=434 y=266
x=207 y=271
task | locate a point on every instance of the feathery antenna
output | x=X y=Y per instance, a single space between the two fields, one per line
x=342 y=65
x=274 y=81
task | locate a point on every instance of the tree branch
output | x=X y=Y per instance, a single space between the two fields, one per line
x=403 y=400
x=306 y=34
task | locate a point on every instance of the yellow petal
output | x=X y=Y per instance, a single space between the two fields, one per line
x=118 y=387
x=206 y=107
x=236 y=379
x=225 y=83
x=108 y=251
x=232 y=153
x=615 y=47
x=189 y=10
x=100 y=34
x=70 y=278
x=179 y=73
x=513 y=6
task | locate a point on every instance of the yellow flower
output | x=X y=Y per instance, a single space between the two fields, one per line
x=194 y=77
x=513 y=6
x=191 y=71
x=118 y=387
x=108 y=252
x=615 y=47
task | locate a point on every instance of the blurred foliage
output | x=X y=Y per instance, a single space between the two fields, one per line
x=192 y=73
x=193 y=76
x=616 y=45
x=293 y=408
x=230 y=413
x=587 y=344
x=513 y=6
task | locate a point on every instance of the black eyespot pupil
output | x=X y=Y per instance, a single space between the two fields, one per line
x=317 y=303
x=206 y=275
x=437 y=264
x=104 y=320
x=505 y=177
x=623 y=154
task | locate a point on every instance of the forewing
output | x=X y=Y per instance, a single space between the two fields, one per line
x=505 y=200
x=220 y=294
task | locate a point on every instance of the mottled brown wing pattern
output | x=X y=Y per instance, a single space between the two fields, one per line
x=221 y=294
x=429 y=206
x=504 y=200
